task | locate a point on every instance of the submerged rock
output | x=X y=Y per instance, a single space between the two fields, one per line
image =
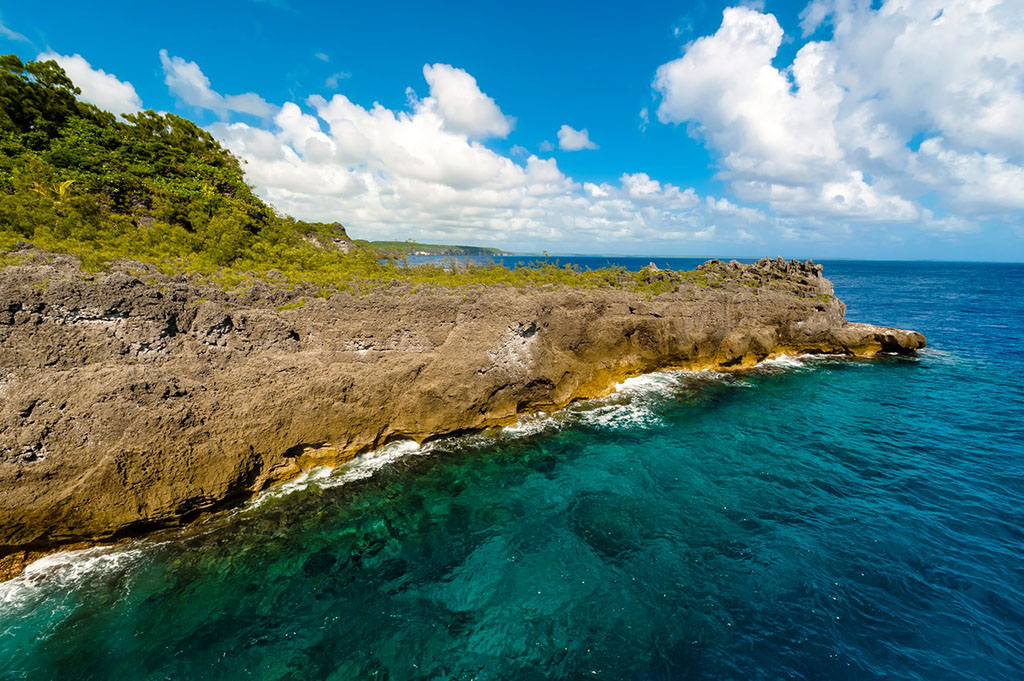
x=130 y=404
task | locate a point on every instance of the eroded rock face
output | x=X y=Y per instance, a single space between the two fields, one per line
x=127 y=405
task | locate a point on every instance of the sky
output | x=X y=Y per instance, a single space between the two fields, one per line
x=830 y=129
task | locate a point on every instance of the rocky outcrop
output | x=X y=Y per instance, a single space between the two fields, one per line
x=131 y=401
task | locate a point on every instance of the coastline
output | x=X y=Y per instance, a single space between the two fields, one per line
x=335 y=473
x=184 y=400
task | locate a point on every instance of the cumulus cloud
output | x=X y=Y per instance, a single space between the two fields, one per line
x=98 y=87
x=191 y=87
x=834 y=133
x=570 y=139
x=462 y=105
x=413 y=172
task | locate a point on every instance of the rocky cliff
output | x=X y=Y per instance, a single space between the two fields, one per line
x=131 y=401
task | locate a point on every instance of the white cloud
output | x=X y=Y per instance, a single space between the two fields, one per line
x=831 y=135
x=191 y=87
x=410 y=173
x=683 y=27
x=333 y=79
x=11 y=34
x=322 y=56
x=98 y=87
x=546 y=146
x=463 y=107
x=570 y=139
x=980 y=182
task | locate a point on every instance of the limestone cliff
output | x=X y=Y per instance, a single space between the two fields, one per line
x=131 y=401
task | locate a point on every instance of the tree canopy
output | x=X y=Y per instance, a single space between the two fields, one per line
x=145 y=185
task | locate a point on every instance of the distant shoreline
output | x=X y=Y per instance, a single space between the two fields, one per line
x=404 y=248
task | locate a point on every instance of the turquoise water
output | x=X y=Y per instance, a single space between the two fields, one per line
x=815 y=519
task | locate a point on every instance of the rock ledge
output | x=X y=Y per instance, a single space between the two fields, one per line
x=131 y=401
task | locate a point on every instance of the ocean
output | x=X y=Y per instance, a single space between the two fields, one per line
x=815 y=518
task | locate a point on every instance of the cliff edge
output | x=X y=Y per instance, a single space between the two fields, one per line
x=131 y=400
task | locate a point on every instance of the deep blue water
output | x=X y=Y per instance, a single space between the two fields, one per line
x=815 y=519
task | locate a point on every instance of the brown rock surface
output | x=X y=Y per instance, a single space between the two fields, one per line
x=127 y=405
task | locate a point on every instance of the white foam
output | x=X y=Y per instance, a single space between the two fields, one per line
x=324 y=477
x=296 y=484
x=788 y=362
x=785 y=361
x=531 y=424
x=66 y=570
x=367 y=464
x=627 y=406
x=633 y=403
x=643 y=384
x=660 y=383
x=625 y=416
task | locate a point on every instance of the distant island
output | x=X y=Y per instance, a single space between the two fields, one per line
x=404 y=248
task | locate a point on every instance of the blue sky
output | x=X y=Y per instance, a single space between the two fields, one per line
x=831 y=130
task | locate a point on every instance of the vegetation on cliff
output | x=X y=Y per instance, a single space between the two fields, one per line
x=405 y=248
x=150 y=186
x=157 y=188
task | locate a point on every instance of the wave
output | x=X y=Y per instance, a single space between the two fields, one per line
x=785 y=362
x=67 y=570
x=324 y=477
x=631 y=404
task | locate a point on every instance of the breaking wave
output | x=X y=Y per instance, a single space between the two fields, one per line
x=67 y=570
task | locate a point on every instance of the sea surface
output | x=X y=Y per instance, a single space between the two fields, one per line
x=813 y=519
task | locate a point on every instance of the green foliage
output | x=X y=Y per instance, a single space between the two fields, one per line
x=36 y=99
x=158 y=189
x=292 y=306
x=154 y=187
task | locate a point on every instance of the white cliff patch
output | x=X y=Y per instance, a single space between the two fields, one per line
x=516 y=351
